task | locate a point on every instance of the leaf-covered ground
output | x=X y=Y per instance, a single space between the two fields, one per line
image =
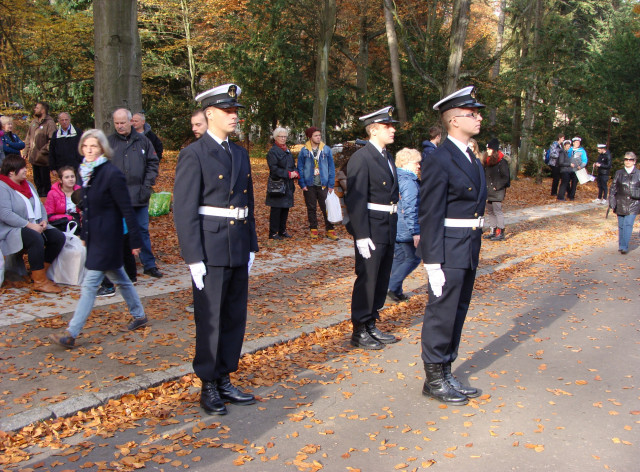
x=33 y=372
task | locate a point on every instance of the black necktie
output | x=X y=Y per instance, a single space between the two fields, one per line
x=471 y=155
x=225 y=145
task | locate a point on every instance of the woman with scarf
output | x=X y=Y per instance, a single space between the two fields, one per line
x=496 y=171
x=106 y=202
x=282 y=172
x=624 y=199
x=24 y=225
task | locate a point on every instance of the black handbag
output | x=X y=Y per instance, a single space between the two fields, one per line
x=276 y=187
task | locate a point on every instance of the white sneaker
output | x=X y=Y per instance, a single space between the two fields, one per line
x=603 y=202
x=597 y=200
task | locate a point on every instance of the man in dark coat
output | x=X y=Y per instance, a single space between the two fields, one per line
x=134 y=155
x=63 y=149
x=430 y=145
x=452 y=200
x=139 y=123
x=603 y=167
x=37 y=147
x=213 y=213
x=372 y=203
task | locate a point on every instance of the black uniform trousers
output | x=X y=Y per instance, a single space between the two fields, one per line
x=372 y=282
x=564 y=185
x=220 y=313
x=602 y=181
x=444 y=316
x=573 y=185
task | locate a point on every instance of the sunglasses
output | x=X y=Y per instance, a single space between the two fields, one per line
x=629 y=159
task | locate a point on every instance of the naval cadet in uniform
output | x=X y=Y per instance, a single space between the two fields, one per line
x=372 y=204
x=213 y=214
x=452 y=200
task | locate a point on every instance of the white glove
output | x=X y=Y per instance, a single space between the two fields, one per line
x=252 y=256
x=198 y=271
x=363 y=246
x=436 y=278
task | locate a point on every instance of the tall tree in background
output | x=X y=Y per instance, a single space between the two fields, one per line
x=118 y=63
x=459 y=26
x=396 y=73
x=326 y=27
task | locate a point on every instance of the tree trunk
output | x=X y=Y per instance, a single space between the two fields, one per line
x=118 y=64
x=459 y=24
x=531 y=97
x=396 y=74
x=495 y=70
x=362 y=63
x=321 y=94
x=516 y=129
x=186 y=24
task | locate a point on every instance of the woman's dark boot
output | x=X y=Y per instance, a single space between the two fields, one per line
x=499 y=235
x=435 y=386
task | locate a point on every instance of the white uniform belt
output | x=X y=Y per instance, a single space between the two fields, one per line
x=237 y=213
x=386 y=208
x=464 y=223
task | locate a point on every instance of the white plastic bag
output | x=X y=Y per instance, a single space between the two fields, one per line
x=334 y=212
x=584 y=177
x=68 y=267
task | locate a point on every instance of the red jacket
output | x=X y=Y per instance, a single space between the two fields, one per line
x=56 y=203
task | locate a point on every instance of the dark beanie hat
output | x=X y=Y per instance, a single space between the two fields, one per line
x=309 y=132
x=494 y=144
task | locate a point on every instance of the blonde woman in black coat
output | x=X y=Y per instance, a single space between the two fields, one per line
x=106 y=203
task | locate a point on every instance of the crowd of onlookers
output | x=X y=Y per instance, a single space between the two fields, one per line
x=54 y=150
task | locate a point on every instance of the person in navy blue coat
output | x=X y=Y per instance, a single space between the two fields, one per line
x=105 y=203
x=372 y=202
x=452 y=200
x=213 y=214
x=431 y=144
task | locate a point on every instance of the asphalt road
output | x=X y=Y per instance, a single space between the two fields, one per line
x=553 y=344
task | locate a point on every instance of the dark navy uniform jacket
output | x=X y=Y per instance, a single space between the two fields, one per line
x=450 y=188
x=371 y=180
x=207 y=176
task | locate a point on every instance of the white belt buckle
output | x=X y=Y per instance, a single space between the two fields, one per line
x=394 y=208
x=240 y=213
x=481 y=222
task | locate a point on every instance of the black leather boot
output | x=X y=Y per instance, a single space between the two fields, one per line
x=466 y=390
x=362 y=338
x=378 y=335
x=437 y=387
x=210 y=400
x=233 y=394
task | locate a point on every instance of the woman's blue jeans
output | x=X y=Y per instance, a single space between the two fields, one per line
x=90 y=285
x=404 y=262
x=625 y=228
